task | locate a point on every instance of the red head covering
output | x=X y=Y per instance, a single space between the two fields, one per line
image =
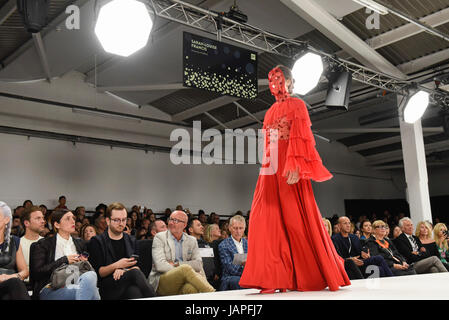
x=276 y=82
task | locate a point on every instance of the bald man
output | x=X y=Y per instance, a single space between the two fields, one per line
x=357 y=260
x=177 y=263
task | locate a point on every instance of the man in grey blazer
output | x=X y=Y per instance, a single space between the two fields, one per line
x=177 y=263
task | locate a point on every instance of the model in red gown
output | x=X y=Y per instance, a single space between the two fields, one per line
x=288 y=245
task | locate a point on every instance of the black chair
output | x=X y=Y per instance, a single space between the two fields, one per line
x=144 y=250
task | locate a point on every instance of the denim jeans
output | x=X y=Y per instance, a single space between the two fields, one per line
x=230 y=283
x=86 y=290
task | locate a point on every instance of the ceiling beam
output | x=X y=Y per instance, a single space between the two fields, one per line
x=381 y=142
x=7 y=10
x=210 y=105
x=204 y=107
x=376 y=130
x=403 y=32
x=40 y=48
x=401 y=166
x=342 y=36
x=397 y=154
x=156 y=87
x=423 y=62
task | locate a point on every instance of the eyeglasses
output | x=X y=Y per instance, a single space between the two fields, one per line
x=119 y=220
x=381 y=227
x=175 y=221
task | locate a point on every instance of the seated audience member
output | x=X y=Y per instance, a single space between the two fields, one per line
x=145 y=224
x=379 y=245
x=387 y=231
x=440 y=236
x=61 y=204
x=196 y=230
x=228 y=248
x=110 y=254
x=335 y=229
x=214 y=218
x=17 y=229
x=77 y=232
x=100 y=223
x=328 y=226
x=396 y=232
x=33 y=221
x=157 y=226
x=414 y=252
x=424 y=233
x=141 y=234
x=212 y=236
x=18 y=211
x=212 y=233
x=167 y=214
x=88 y=231
x=50 y=253
x=151 y=216
x=27 y=204
x=177 y=263
x=349 y=247
x=202 y=216
x=12 y=286
x=80 y=213
x=366 y=229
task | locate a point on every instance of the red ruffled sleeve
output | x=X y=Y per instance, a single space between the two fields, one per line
x=301 y=152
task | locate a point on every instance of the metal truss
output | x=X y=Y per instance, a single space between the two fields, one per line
x=223 y=27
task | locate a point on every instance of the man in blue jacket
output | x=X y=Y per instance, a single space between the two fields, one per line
x=235 y=244
x=349 y=247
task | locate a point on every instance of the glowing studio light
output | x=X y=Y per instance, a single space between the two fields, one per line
x=307 y=72
x=416 y=106
x=123 y=26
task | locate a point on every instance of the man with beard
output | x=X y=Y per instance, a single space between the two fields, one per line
x=111 y=256
x=34 y=223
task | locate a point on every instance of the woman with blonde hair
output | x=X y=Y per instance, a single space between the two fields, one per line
x=328 y=226
x=424 y=233
x=378 y=244
x=440 y=236
x=212 y=233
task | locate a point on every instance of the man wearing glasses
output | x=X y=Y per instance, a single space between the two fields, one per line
x=111 y=255
x=177 y=263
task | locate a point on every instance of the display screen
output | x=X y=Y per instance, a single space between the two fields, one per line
x=219 y=67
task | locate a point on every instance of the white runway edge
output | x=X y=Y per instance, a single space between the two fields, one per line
x=416 y=287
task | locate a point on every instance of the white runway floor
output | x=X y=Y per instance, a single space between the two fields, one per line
x=417 y=287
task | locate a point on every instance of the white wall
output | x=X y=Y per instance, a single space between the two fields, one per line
x=41 y=170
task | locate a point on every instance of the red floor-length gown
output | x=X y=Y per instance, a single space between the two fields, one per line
x=288 y=245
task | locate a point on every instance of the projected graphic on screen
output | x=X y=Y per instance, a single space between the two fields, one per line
x=219 y=67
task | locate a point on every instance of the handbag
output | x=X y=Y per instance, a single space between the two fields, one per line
x=68 y=274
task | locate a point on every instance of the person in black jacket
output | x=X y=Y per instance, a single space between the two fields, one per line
x=379 y=245
x=414 y=252
x=348 y=246
x=50 y=253
x=110 y=253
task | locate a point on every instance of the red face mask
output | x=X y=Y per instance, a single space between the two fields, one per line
x=276 y=82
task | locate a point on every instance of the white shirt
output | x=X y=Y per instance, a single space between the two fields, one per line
x=239 y=245
x=26 y=245
x=64 y=247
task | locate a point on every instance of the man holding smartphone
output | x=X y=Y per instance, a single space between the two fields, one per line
x=113 y=256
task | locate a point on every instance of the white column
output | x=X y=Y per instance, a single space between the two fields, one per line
x=415 y=167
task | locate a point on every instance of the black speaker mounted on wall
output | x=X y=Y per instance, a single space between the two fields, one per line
x=338 y=91
x=34 y=14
